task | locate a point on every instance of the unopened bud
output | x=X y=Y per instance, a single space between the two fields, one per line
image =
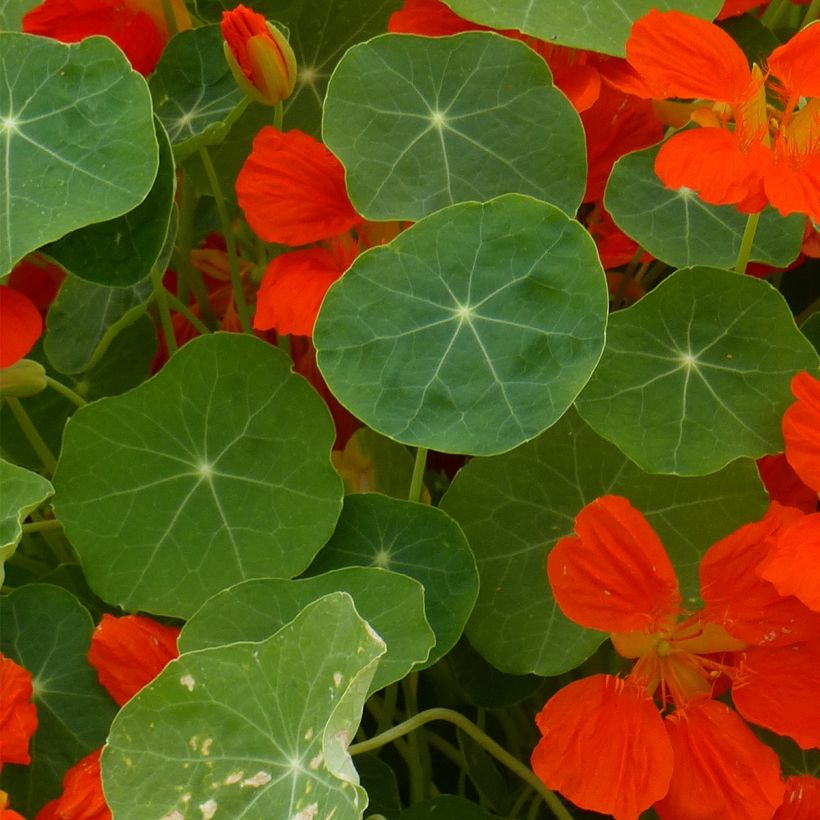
x=22 y=379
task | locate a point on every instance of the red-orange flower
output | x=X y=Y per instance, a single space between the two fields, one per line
x=801 y=429
x=129 y=652
x=292 y=189
x=20 y=325
x=784 y=485
x=82 y=797
x=18 y=715
x=802 y=800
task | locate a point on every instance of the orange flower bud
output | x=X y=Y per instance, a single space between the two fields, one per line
x=259 y=56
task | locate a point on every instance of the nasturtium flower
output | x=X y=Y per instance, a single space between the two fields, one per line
x=18 y=715
x=20 y=325
x=802 y=800
x=614 y=575
x=82 y=797
x=129 y=652
x=801 y=429
x=784 y=485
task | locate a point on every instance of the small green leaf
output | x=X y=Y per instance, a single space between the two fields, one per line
x=250 y=729
x=416 y=540
x=514 y=507
x=121 y=251
x=47 y=631
x=678 y=227
x=602 y=25
x=423 y=123
x=697 y=373
x=214 y=471
x=77 y=136
x=472 y=331
x=23 y=491
x=392 y=603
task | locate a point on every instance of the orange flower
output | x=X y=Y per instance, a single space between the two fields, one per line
x=801 y=429
x=784 y=485
x=82 y=797
x=129 y=652
x=20 y=325
x=802 y=801
x=18 y=716
x=292 y=189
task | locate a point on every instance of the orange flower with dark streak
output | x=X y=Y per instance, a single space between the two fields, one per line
x=18 y=715
x=82 y=797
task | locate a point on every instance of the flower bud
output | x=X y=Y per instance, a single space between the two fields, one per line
x=22 y=379
x=259 y=55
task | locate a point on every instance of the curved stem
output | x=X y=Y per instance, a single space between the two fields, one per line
x=170 y=17
x=746 y=242
x=417 y=481
x=233 y=262
x=32 y=435
x=812 y=13
x=66 y=391
x=161 y=297
x=486 y=742
x=39 y=526
x=181 y=308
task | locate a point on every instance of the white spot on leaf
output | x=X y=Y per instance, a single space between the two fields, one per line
x=206 y=746
x=307 y=814
x=174 y=815
x=309 y=734
x=337 y=679
x=188 y=682
x=208 y=809
x=316 y=762
x=259 y=779
x=234 y=777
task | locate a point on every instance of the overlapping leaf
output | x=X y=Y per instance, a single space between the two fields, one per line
x=697 y=373
x=250 y=729
x=214 y=471
x=77 y=135
x=423 y=123
x=472 y=331
x=514 y=507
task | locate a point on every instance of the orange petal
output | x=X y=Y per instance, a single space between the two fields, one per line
x=615 y=575
x=292 y=189
x=778 y=689
x=793 y=563
x=129 y=652
x=20 y=325
x=721 y=769
x=82 y=797
x=793 y=185
x=430 y=18
x=733 y=8
x=784 y=485
x=683 y=56
x=736 y=597
x=18 y=715
x=796 y=64
x=603 y=747
x=802 y=800
x=715 y=163
x=801 y=429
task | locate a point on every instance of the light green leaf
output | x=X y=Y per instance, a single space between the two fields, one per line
x=23 y=491
x=598 y=25
x=214 y=471
x=392 y=603
x=514 y=507
x=697 y=373
x=472 y=331
x=416 y=540
x=77 y=136
x=423 y=123
x=47 y=631
x=678 y=227
x=121 y=251
x=250 y=729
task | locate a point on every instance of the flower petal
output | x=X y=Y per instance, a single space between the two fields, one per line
x=784 y=485
x=721 y=769
x=18 y=715
x=802 y=800
x=615 y=575
x=430 y=18
x=20 y=325
x=792 y=184
x=82 y=797
x=777 y=689
x=603 y=747
x=801 y=429
x=796 y=65
x=683 y=56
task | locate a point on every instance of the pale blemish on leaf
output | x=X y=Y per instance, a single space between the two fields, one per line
x=259 y=779
x=309 y=734
x=316 y=762
x=208 y=809
x=205 y=749
x=307 y=814
x=174 y=815
x=188 y=682
x=337 y=679
x=234 y=777
x=194 y=742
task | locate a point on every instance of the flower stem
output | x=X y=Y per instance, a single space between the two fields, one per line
x=161 y=297
x=484 y=740
x=32 y=436
x=417 y=481
x=277 y=116
x=746 y=242
x=233 y=262
x=39 y=526
x=170 y=17
x=181 y=308
x=66 y=391
x=812 y=13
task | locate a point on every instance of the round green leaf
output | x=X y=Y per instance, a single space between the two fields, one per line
x=214 y=471
x=47 y=631
x=472 y=331
x=600 y=26
x=23 y=491
x=697 y=373
x=121 y=251
x=514 y=507
x=678 y=227
x=392 y=603
x=195 y=94
x=423 y=123
x=250 y=729
x=415 y=540
x=78 y=139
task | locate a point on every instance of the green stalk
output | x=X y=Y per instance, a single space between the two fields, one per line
x=486 y=742
x=746 y=242
x=170 y=17
x=66 y=391
x=233 y=262
x=417 y=481
x=812 y=13
x=183 y=310
x=161 y=298
x=32 y=436
x=39 y=526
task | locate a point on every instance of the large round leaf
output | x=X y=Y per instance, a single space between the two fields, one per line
x=416 y=540
x=423 y=123
x=392 y=603
x=472 y=331
x=697 y=373
x=250 y=729
x=514 y=507
x=677 y=226
x=47 y=631
x=602 y=25
x=214 y=471
x=77 y=136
